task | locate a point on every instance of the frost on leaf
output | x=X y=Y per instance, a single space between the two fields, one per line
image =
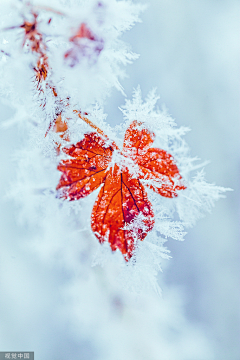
x=87 y=168
x=122 y=200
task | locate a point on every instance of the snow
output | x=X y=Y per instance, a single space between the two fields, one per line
x=74 y=296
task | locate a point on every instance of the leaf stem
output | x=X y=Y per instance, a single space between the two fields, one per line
x=47 y=8
x=89 y=122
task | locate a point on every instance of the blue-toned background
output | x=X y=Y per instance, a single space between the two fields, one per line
x=189 y=50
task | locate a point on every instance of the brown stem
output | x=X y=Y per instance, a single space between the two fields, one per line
x=89 y=122
x=46 y=8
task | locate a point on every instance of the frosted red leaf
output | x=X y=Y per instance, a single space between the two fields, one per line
x=155 y=164
x=122 y=213
x=86 y=169
x=120 y=200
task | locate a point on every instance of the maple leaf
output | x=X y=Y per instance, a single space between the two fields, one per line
x=122 y=201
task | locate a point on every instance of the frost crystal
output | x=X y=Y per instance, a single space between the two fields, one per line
x=57 y=78
x=100 y=203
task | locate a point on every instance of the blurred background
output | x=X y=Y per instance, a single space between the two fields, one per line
x=189 y=50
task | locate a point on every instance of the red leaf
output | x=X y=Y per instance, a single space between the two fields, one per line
x=158 y=165
x=122 y=213
x=119 y=202
x=137 y=141
x=155 y=164
x=87 y=169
